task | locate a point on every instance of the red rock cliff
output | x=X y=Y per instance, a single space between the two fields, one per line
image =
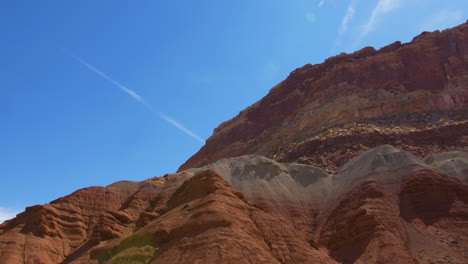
x=421 y=85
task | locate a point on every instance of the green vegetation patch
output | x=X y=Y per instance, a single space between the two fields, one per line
x=135 y=255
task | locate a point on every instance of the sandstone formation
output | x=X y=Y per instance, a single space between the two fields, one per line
x=250 y=209
x=421 y=85
x=360 y=159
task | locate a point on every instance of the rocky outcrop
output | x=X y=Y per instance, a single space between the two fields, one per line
x=331 y=148
x=451 y=163
x=251 y=209
x=67 y=227
x=426 y=77
x=198 y=229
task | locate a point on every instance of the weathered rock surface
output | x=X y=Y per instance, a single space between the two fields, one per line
x=419 y=85
x=451 y=163
x=250 y=209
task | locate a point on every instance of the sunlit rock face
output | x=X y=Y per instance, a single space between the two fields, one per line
x=383 y=203
x=360 y=159
x=411 y=95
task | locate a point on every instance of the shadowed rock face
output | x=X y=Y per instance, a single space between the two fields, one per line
x=363 y=201
x=410 y=95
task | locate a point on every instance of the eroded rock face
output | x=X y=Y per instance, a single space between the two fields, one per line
x=250 y=209
x=64 y=229
x=210 y=222
x=428 y=76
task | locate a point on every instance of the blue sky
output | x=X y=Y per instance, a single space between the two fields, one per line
x=99 y=91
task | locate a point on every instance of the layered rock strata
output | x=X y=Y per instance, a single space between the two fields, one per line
x=426 y=78
x=251 y=209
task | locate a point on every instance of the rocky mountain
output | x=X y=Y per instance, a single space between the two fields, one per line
x=411 y=95
x=360 y=159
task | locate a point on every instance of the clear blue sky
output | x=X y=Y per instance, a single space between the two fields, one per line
x=92 y=90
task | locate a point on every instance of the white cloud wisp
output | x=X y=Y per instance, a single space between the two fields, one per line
x=350 y=12
x=347 y=18
x=119 y=85
x=178 y=125
x=139 y=99
x=382 y=7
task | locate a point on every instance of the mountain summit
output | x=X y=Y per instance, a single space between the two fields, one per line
x=409 y=95
x=360 y=159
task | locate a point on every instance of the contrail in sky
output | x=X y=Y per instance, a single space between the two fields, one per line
x=139 y=99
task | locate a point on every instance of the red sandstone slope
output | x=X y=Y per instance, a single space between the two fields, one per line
x=382 y=204
x=202 y=221
x=369 y=97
